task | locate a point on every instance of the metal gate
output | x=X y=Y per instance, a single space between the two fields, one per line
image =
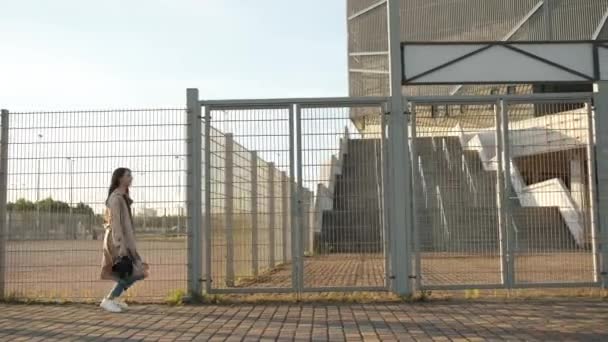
x=292 y=196
x=504 y=192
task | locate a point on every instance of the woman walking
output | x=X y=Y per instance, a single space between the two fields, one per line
x=121 y=261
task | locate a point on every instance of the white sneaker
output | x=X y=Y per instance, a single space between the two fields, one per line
x=121 y=304
x=110 y=305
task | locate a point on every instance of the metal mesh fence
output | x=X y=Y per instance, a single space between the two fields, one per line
x=368 y=48
x=251 y=173
x=565 y=20
x=346 y=168
x=59 y=169
x=333 y=238
x=455 y=182
x=504 y=209
x=293 y=196
x=461 y=20
x=549 y=145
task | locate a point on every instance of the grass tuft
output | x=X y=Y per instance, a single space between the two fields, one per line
x=176 y=298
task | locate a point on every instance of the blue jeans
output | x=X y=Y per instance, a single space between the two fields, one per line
x=121 y=286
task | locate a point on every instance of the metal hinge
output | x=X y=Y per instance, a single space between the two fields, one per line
x=386 y=108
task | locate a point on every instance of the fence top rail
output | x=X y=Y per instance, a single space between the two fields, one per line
x=95 y=111
x=287 y=102
x=491 y=99
x=377 y=101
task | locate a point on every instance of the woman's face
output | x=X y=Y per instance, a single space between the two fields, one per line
x=126 y=179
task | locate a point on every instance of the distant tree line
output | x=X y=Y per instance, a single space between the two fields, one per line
x=49 y=205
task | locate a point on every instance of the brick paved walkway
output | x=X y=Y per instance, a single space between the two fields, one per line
x=573 y=319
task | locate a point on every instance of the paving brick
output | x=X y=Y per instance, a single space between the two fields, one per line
x=564 y=319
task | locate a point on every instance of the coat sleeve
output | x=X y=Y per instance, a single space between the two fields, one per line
x=117 y=226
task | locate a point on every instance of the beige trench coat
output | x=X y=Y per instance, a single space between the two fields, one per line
x=119 y=238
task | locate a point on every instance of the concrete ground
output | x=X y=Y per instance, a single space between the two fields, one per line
x=556 y=320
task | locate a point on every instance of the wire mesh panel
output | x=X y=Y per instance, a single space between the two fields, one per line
x=457 y=217
x=551 y=192
x=249 y=223
x=59 y=172
x=368 y=48
x=345 y=169
x=459 y=20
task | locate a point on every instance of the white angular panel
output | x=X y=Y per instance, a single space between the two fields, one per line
x=421 y=58
x=576 y=56
x=498 y=64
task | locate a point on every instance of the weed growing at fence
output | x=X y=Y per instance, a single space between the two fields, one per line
x=175 y=298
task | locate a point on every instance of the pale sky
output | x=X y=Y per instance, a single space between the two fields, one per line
x=75 y=54
x=84 y=55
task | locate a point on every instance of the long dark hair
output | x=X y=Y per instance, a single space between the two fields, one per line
x=115 y=183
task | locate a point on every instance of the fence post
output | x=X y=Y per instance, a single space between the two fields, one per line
x=306 y=237
x=308 y=214
x=386 y=244
x=508 y=246
x=296 y=191
x=228 y=208
x=193 y=192
x=499 y=199
x=271 y=216
x=592 y=194
x=207 y=223
x=416 y=179
x=3 y=191
x=399 y=182
x=600 y=101
x=285 y=215
x=255 y=265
